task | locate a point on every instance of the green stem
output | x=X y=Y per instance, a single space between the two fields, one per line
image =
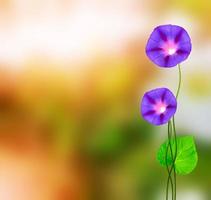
x=167 y=167
x=175 y=133
x=180 y=81
x=175 y=139
x=175 y=156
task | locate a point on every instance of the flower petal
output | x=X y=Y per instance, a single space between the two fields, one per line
x=159 y=46
x=158 y=106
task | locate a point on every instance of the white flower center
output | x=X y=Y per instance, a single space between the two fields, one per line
x=162 y=109
x=171 y=51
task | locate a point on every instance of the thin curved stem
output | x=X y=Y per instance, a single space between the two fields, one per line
x=175 y=139
x=167 y=167
x=172 y=166
x=175 y=133
x=180 y=81
x=175 y=156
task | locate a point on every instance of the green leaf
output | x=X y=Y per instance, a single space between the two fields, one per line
x=186 y=159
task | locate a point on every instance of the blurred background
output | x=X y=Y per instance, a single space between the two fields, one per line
x=72 y=74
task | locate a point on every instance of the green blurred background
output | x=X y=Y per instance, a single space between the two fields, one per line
x=72 y=74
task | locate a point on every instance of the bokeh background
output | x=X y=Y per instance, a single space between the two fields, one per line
x=72 y=74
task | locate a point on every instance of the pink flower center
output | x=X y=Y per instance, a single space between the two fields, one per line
x=160 y=108
x=170 y=48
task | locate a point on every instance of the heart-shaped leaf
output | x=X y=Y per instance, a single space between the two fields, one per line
x=186 y=159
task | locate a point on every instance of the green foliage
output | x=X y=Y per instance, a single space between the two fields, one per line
x=186 y=159
x=115 y=138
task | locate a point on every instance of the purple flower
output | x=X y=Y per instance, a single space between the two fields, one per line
x=168 y=45
x=158 y=106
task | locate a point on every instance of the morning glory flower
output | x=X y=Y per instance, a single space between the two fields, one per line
x=158 y=106
x=168 y=45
